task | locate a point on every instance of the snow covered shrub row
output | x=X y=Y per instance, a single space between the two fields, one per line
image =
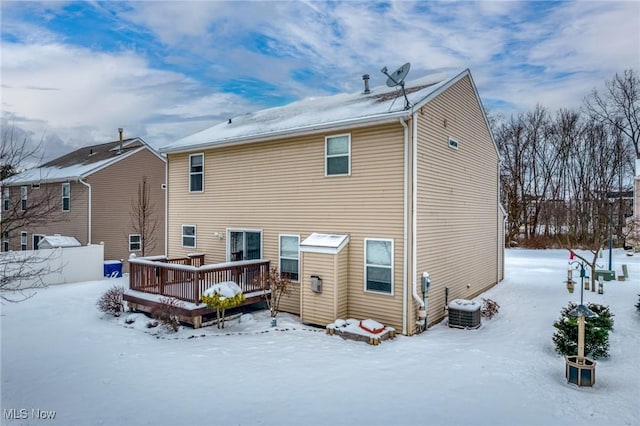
x=489 y=308
x=167 y=312
x=111 y=301
x=596 y=339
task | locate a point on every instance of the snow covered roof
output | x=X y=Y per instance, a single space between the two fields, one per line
x=80 y=163
x=319 y=113
x=324 y=243
x=53 y=241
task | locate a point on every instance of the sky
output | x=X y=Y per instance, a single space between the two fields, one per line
x=72 y=73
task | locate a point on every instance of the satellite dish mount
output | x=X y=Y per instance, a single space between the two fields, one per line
x=397 y=79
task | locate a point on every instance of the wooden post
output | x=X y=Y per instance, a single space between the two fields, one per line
x=196 y=287
x=580 y=338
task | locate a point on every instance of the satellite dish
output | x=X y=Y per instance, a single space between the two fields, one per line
x=397 y=79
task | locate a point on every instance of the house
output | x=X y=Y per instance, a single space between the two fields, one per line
x=88 y=194
x=354 y=196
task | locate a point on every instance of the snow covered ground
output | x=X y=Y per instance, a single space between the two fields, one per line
x=60 y=354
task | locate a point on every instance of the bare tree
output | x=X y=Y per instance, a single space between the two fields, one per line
x=144 y=220
x=619 y=106
x=22 y=272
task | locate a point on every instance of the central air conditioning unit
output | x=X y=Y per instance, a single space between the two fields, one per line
x=464 y=314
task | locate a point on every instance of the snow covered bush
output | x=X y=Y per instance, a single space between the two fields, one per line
x=638 y=304
x=167 y=312
x=111 y=301
x=275 y=285
x=489 y=308
x=222 y=296
x=596 y=339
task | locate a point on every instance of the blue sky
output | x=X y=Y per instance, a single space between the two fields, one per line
x=73 y=72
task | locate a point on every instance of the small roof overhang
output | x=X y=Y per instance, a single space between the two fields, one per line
x=324 y=243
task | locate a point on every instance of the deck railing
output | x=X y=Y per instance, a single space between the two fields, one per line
x=187 y=278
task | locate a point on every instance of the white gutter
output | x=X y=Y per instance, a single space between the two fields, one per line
x=414 y=208
x=405 y=224
x=89 y=211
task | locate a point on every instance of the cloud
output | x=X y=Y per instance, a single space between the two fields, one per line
x=165 y=69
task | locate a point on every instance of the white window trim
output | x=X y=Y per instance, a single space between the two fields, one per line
x=380 y=266
x=24 y=196
x=33 y=240
x=6 y=198
x=193 y=173
x=5 y=240
x=195 y=236
x=280 y=257
x=24 y=237
x=139 y=242
x=453 y=143
x=69 y=196
x=228 y=238
x=327 y=156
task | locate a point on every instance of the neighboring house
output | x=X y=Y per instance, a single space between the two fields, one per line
x=632 y=228
x=352 y=190
x=87 y=194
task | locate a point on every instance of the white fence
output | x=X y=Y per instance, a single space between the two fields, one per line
x=53 y=266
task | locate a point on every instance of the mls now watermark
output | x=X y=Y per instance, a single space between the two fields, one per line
x=23 y=413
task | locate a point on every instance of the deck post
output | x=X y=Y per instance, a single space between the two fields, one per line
x=163 y=280
x=196 y=287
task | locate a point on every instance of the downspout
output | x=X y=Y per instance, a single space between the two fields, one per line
x=166 y=207
x=88 y=211
x=405 y=225
x=414 y=207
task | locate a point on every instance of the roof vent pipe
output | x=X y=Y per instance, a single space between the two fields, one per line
x=120 y=145
x=365 y=78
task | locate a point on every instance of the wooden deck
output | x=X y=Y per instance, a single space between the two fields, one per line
x=186 y=279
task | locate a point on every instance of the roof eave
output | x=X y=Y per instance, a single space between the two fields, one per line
x=298 y=131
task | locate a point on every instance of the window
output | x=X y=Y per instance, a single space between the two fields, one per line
x=35 y=186
x=453 y=143
x=23 y=241
x=66 y=197
x=338 y=155
x=36 y=240
x=378 y=265
x=5 y=199
x=188 y=235
x=196 y=172
x=135 y=242
x=23 y=197
x=5 y=241
x=289 y=256
x=244 y=245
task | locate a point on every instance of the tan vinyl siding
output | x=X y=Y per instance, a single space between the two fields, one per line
x=113 y=190
x=342 y=292
x=280 y=187
x=458 y=217
x=72 y=223
x=319 y=308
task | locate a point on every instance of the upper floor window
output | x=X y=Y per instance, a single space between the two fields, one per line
x=338 y=155
x=188 y=235
x=66 y=197
x=196 y=172
x=5 y=241
x=5 y=199
x=378 y=265
x=23 y=241
x=289 y=256
x=23 y=197
x=135 y=242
